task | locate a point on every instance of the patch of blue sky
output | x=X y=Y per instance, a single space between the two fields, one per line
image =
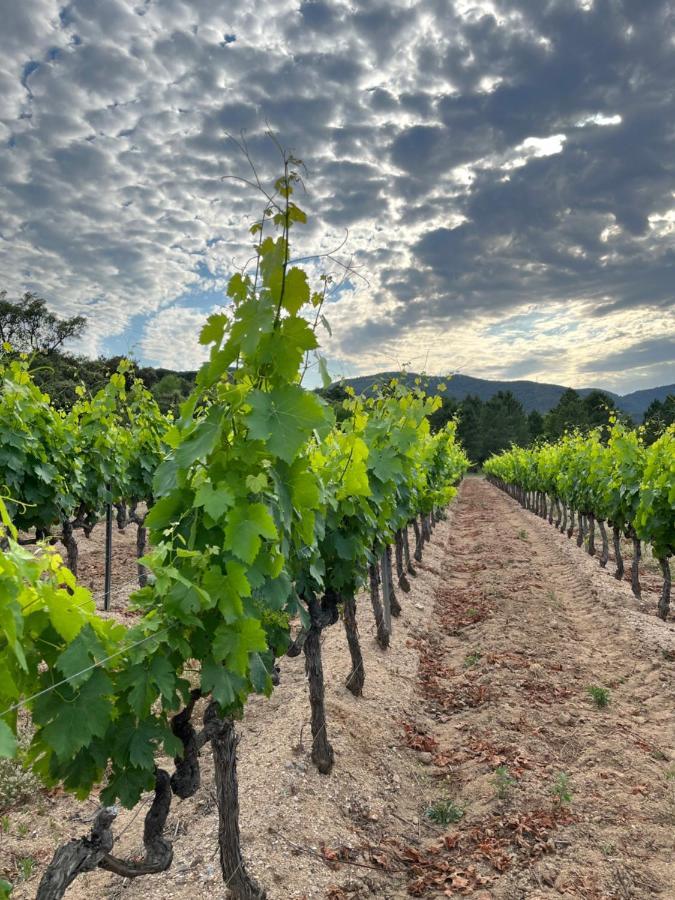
x=524 y=324
x=565 y=328
x=127 y=342
x=335 y=291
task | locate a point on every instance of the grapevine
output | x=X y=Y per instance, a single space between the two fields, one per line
x=614 y=480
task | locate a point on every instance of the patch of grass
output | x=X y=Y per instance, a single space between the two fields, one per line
x=522 y=535
x=608 y=849
x=670 y=773
x=444 y=812
x=4 y=824
x=472 y=612
x=26 y=867
x=22 y=830
x=659 y=755
x=503 y=782
x=599 y=695
x=472 y=658
x=561 y=789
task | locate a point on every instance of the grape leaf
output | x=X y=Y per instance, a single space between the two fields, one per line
x=8 y=743
x=284 y=418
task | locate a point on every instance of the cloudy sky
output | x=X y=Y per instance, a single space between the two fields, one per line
x=501 y=172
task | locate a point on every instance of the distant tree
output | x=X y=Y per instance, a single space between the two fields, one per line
x=469 y=428
x=447 y=411
x=598 y=407
x=30 y=327
x=59 y=374
x=567 y=414
x=535 y=425
x=658 y=416
x=573 y=411
x=170 y=391
x=336 y=394
x=503 y=422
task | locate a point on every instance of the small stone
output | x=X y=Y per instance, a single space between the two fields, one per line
x=548 y=874
x=425 y=757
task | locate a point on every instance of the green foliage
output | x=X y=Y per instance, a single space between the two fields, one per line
x=659 y=416
x=596 y=409
x=57 y=466
x=503 y=782
x=610 y=474
x=599 y=695
x=260 y=499
x=444 y=812
x=26 y=866
x=654 y=519
x=170 y=391
x=29 y=327
x=485 y=427
x=561 y=789
x=471 y=659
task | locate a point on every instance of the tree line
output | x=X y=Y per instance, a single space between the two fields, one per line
x=485 y=427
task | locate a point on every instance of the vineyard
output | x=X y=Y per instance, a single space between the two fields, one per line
x=618 y=482
x=262 y=522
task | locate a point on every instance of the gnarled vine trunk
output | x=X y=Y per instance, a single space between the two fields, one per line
x=591 y=534
x=403 y=582
x=357 y=676
x=69 y=542
x=635 y=568
x=424 y=527
x=418 y=540
x=604 y=556
x=410 y=569
x=616 y=539
x=78 y=856
x=570 y=530
x=664 y=600
x=382 y=630
x=581 y=520
x=224 y=742
x=394 y=605
x=141 y=538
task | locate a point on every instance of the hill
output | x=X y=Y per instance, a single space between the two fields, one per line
x=532 y=394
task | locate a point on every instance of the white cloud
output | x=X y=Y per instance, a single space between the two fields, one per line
x=171 y=338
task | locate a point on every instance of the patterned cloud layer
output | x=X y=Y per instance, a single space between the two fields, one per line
x=502 y=174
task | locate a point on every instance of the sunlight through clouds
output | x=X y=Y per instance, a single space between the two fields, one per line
x=472 y=160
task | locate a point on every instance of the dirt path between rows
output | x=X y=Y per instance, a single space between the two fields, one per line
x=479 y=711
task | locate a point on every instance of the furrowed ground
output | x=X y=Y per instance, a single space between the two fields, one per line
x=479 y=711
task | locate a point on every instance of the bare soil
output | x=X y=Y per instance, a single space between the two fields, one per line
x=481 y=702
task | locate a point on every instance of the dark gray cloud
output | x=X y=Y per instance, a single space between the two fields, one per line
x=640 y=355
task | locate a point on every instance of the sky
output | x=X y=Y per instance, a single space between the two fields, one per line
x=497 y=177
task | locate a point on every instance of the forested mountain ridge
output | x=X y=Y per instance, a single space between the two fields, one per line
x=533 y=395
